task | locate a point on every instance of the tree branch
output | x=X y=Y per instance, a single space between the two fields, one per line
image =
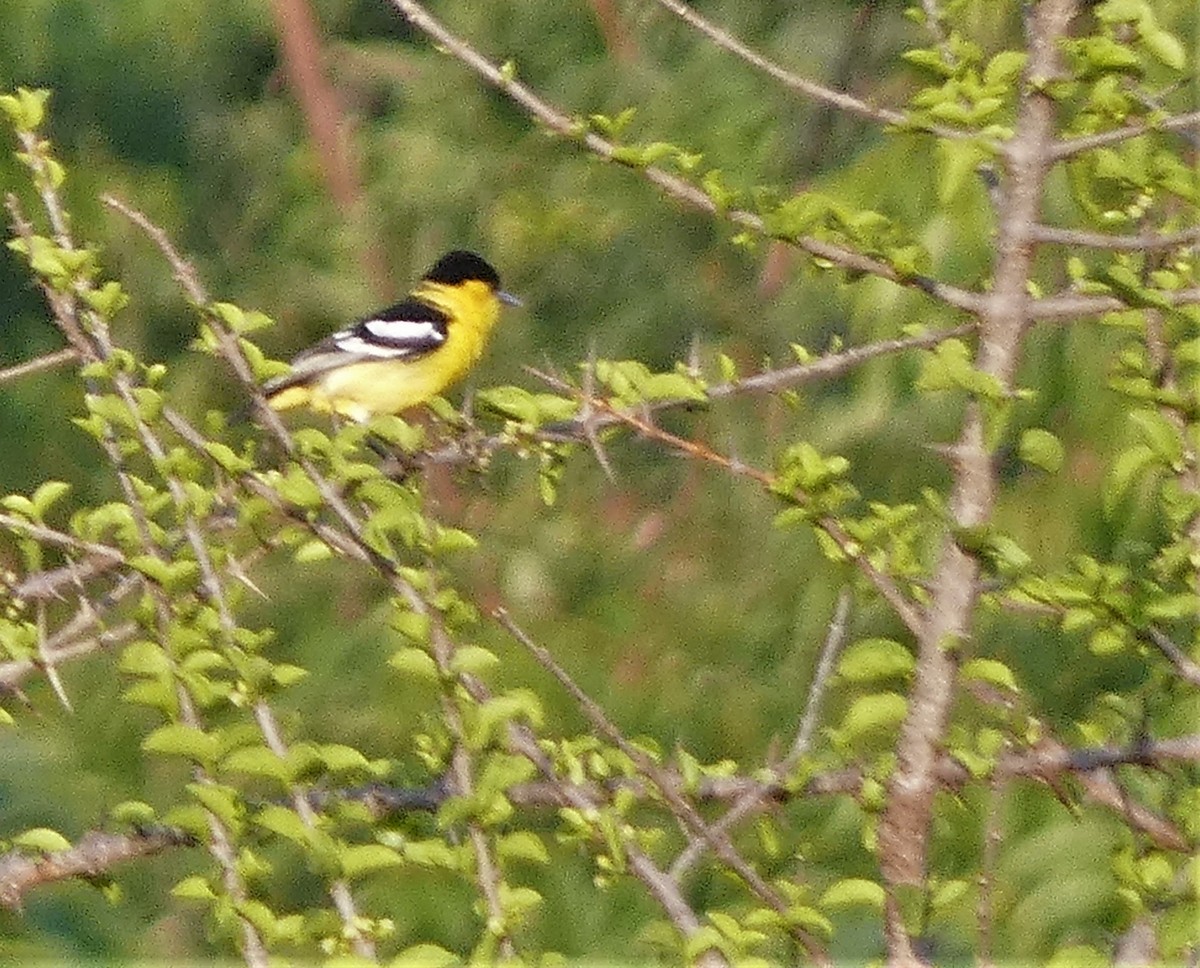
x=906 y=823
x=677 y=188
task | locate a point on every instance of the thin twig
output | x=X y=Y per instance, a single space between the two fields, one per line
x=754 y=799
x=817 y=92
x=907 y=611
x=667 y=785
x=38 y=364
x=1069 y=147
x=835 y=638
x=1185 y=667
x=676 y=187
x=1077 y=238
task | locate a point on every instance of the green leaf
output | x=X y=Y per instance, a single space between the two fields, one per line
x=412 y=625
x=340 y=757
x=42 y=839
x=522 y=845
x=1127 y=468
x=287 y=675
x=854 y=892
x=256 y=761
x=132 y=813
x=194 y=888
x=1005 y=67
x=871 y=714
x=957 y=164
x=227 y=458
x=1160 y=435
x=424 y=956
x=871 y=659
x=1163 y=46
x=26 y=109
x=179 y=740
x=1042 y=449
x=990 y=670
x=46 y=495
x=414 y=663
x=284 y=822
x=219 y=800
x=368 y=858
x=473 y=660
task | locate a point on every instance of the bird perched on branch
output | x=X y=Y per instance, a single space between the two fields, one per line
x=403 y=355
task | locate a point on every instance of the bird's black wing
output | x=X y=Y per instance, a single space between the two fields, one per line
x=408 y=330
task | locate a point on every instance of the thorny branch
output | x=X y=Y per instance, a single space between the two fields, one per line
x=20 y=873
x=904 y=830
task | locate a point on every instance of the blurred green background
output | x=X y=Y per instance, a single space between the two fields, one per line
x=666 y=591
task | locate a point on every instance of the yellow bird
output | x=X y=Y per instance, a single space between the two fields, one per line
x=405 y=354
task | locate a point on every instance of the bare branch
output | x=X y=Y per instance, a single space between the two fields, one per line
x=905 y=827
x=1185 y=667
x=38 y=364
x=817 y=92
x=1069 y=147
x=1077 y=305
x=677 y=188
x=1077 y=238
x=93 y=856
x=835 y=638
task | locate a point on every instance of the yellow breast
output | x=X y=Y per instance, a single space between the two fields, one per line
x=361 y=390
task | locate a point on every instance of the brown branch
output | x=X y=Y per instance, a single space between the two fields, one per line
x=907 y=611
x=93 y=856
x=583 y=428
x=21 y=872
x=668 y=786
x=905 y=826
x=817 y=92
x=677 y=188
x=1068 y=147
x=38 y=364
x=1185 y=667
x=1077 y=238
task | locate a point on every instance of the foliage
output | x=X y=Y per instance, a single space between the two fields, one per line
x=481 y=686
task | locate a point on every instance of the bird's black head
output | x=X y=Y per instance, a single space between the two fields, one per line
x=459 y=266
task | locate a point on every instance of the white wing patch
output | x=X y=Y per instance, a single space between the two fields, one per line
x=398 y=332
x=349 y=343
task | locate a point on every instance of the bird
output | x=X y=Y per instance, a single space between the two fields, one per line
x=402 y=356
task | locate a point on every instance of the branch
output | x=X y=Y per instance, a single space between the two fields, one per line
x=677 y=188
x=39 y=363
x=836 y=99
x=1075 y=305
x=905 y=826
x=907 y=611
x=668 y=786
x=753 y=800
x=1076 y=238
x=583 y=428
x=92 y=857
x=1069 y=147
x=1185 y=667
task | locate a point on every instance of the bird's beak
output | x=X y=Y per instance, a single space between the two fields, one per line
x=508 y=297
